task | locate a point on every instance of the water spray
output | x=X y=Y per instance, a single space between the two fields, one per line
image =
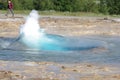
x=34 y=37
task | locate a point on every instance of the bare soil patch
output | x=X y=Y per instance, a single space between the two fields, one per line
x=68 y=26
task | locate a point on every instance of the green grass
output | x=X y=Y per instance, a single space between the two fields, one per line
x=69 y=13
x=17 y=11
x=56 y=13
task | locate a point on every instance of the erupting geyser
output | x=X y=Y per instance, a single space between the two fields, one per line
x=34 y=37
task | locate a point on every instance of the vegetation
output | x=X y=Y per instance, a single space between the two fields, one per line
x=93 y=6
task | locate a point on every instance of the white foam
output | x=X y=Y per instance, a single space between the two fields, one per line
x=31 y=28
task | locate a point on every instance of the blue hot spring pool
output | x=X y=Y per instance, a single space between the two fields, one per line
x=87 y=49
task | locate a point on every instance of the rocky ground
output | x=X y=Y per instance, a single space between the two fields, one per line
x=66 y=26
x=13 y=70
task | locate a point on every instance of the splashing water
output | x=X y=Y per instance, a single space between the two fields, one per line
x=34 y=37
x=34 y=44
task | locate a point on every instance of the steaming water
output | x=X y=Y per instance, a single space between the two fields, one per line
x=34 y=44
x=109 y=54
x=33 y=37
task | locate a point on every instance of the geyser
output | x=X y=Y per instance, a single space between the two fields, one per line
x=35 y=38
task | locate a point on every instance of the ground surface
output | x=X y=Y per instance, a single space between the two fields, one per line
x=69 y=26
x=66 y=26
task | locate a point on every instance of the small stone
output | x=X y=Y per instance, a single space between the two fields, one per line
x=17 y=75
x=89 y=65
x=75 y=70
x=63 y=67
x=9 y=72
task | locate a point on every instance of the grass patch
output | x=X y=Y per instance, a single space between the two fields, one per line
x=17 y=11
x=67 y=13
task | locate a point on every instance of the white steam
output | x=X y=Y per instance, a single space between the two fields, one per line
x=31 y=33
x=31 y=28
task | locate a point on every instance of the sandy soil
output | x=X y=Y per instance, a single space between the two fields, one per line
x=66 y=26
x=13 y=70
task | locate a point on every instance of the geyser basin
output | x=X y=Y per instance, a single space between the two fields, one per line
x=35 y=38
x=107 y=55
x=60 y=43
x=34 y=44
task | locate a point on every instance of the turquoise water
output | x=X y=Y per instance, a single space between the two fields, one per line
x=50 y=42
x=90 y=49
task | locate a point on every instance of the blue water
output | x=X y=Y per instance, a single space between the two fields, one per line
x=51 y=42
x=90 y=49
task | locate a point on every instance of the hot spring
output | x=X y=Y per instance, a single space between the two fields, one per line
x=35 y=38
x=34 y=44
